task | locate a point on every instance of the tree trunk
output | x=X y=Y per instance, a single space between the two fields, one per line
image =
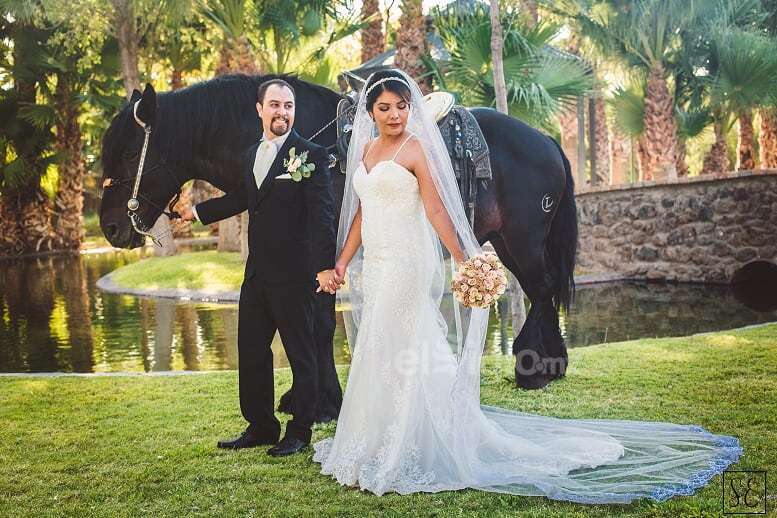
x=11 y=230
x=746 y=145
x=126 y=29
x=660 y=142
x=500 y=87
x=620 y=156
x=69 y=202
x=531 y=12
x=768 y=138
x=569 y=137
x=602 y=137
x=373 y=42
x=643 y=160
x=236 y=56
x=35 y=211
x=568 y=120
x=176 y=78
x=682 y=150
x=411 y=42
x=716 y=159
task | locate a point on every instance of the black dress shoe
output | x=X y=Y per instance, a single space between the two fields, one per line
x=247 y=440
x=287 y=446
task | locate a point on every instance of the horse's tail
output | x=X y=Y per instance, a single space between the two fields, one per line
x=562 y=241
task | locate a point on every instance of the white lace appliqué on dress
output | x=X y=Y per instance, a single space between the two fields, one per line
x=397 y=431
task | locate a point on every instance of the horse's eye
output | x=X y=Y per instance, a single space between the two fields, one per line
x=130 y=154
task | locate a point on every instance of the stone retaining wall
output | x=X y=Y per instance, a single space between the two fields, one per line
x=692 y=229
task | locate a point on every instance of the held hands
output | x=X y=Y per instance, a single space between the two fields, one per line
x=331 y=280
x=328 y=282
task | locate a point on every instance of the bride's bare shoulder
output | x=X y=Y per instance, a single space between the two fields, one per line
x=413 y=150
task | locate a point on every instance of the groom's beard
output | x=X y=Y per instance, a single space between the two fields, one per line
x=279 y=126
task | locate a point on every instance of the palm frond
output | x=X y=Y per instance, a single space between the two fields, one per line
x=747 y=66
x=692 y=122
x=228 y=15
x=41 y=116
x=628 y=107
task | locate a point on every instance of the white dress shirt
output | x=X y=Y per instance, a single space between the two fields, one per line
x=265 y=156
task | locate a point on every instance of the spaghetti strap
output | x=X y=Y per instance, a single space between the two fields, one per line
x=367 y=151
x=401 y=146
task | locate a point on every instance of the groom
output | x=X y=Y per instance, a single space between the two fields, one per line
x=291 y=244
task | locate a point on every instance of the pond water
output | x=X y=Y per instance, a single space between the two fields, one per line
x=54 y=319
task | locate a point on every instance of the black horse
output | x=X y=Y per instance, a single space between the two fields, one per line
x=527 y=211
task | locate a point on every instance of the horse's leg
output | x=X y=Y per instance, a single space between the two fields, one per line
x=539 y=350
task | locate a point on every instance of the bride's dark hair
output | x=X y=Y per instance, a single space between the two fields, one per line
x=397 y=87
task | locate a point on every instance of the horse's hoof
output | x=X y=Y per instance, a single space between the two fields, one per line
x=533 y=382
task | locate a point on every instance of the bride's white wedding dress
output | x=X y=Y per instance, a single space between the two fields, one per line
x=399 y=431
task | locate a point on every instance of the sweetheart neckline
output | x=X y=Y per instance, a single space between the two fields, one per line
x=368 y=173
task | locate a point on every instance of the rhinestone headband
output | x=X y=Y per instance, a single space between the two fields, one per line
x=381 y=81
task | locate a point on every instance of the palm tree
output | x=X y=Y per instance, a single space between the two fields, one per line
x=768 y=136
x=540 y=81
x=743 y=67
x=69 y=201
x=645 y=35
x=628 y=108
x=411 y=43
x=296 y=35
x=373 y=40
x=231 y=18
x=26 y=140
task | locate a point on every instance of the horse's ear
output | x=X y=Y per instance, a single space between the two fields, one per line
x=135 y=97
x=147 y=106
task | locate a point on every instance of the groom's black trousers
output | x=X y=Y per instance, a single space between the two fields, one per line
x=288 y=308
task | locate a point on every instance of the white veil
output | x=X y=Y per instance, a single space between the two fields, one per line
x=496 y=449
x=466 y=326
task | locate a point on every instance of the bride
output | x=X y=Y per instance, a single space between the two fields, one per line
x=411 y=418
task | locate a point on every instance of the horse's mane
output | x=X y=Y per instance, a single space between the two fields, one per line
x=207 y=115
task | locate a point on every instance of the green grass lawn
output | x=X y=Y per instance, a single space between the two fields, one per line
x=125 y=446
x=209 y=271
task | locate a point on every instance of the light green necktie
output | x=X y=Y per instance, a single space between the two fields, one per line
x=265 y=156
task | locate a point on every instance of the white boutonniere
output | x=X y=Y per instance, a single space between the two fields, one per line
x=298 y=166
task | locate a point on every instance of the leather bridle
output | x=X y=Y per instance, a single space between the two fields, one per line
x=133 y=204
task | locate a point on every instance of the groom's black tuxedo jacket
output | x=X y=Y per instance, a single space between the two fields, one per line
x=291 y=232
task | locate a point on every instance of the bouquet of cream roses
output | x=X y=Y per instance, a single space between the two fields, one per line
x=479 y=281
